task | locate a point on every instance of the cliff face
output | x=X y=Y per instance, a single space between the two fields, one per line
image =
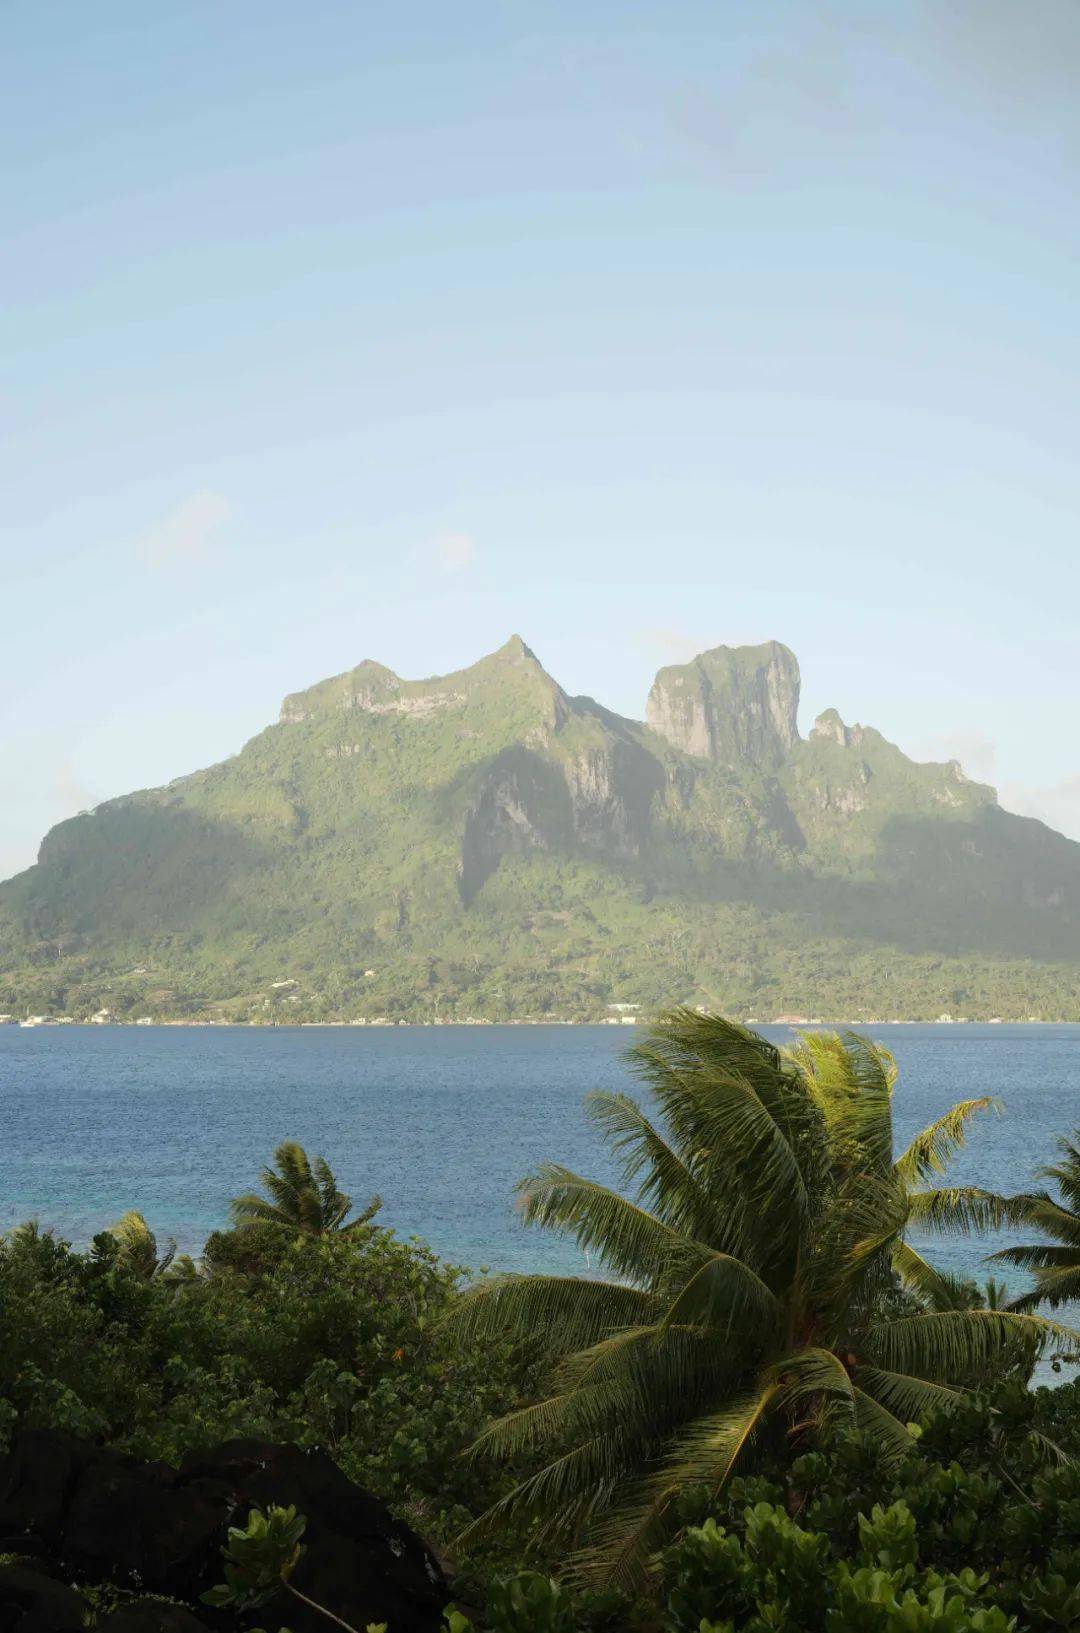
x=488 y=821
x=733 y=705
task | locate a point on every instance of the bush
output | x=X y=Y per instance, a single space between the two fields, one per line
x=333 y=1341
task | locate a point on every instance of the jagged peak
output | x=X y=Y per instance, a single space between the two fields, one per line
x=749 y=655
x=732 y=704
x=516 y=649
x=372 y=687
x=829 y=727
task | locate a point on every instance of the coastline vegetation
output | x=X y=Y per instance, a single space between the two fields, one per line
x=767 y=1410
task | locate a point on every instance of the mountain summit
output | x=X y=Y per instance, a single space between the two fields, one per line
x=483 y=843
x=738 y=705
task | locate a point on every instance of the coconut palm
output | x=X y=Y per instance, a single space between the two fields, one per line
x=753 y=1293
x=137 y=1251
x=838 y=1069
x=304 y=1197
x=1055 y=1265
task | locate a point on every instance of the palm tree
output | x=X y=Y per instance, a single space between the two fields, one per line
x=838 y=1069
x=136 y=1251
x=1055 y=1264
x=305 y=1197
x=752 y=1278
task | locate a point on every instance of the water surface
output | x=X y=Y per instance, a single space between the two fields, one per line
x=441 y=1121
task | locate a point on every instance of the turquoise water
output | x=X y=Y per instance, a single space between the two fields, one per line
x=440 y=1121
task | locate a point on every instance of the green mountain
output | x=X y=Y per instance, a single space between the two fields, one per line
x=483 y=844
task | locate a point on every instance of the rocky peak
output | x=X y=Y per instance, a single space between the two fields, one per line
x=369 y=683
x=828 y=727
x=515 y=651
x=513 y=670
x=736 y=705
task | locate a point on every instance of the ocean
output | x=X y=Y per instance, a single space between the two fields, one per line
x=440 y=1121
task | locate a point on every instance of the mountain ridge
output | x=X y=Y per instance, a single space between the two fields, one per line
x=484 y=842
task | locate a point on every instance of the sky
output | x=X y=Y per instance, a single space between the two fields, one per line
x=346 y=330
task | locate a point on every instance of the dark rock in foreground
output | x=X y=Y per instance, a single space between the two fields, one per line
x=104 y=1517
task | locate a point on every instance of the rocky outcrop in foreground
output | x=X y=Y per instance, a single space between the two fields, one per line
x=74 y=1513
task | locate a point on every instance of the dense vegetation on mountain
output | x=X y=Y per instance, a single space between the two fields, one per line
x=482 y=844
x=815 y=1429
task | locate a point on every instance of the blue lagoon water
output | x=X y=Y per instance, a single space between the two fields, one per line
x=440 y=1121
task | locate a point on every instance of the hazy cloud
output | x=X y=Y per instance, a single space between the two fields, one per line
x=1058 y=806
x=455 y=552
x=976 y=753
x=187 y=533
x=671 y=645
x=70 y=793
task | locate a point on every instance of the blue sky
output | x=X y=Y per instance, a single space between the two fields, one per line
x=340 y=330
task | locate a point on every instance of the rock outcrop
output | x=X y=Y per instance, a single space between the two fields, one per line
x=98 y=1516
x=735 y=705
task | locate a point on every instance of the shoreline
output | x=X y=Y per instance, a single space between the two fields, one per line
x=792 y=1023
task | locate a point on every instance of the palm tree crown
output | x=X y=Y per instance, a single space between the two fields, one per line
x=304 y=1197
x=1055 y=1264
x=136 y=1249
x=755 y=1267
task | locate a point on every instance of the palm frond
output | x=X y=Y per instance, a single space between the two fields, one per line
x=949 y=1210
x=1039 y=1211
x=366 y=1214
x=921 y=1277
x=931 y=1151
x=568 y=1312
x=1037 y=1256
x=851 y=1079
x=1066 y=1173
x=940 y=1344
x=255 y=1210
x=565 y=1492
x=892 y=1437
x=137 y=1248
x=628 y=1239
x=726 y=1094
x=812 y=1374
x=707 y=1453
x=723 y=1293
x=1054 y=1288
x=666 y=1184
x=906 y=1397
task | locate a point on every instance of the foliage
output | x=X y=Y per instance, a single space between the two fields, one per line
x=333 y=1340
x=778 y=1577
x=754 y=1300
x=304 y=1199
x=1055 y=1265
x=529 y=1603
x=258 y=1558
x=136 y=1248
x=733 y=1411
x=839 y=1528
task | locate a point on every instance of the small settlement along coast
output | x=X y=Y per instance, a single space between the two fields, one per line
x=621 y=1014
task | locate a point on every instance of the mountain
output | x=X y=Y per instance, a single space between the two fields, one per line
x=483 y=844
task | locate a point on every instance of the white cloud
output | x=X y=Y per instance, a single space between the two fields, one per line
x=186 y=534
x=455 y=552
